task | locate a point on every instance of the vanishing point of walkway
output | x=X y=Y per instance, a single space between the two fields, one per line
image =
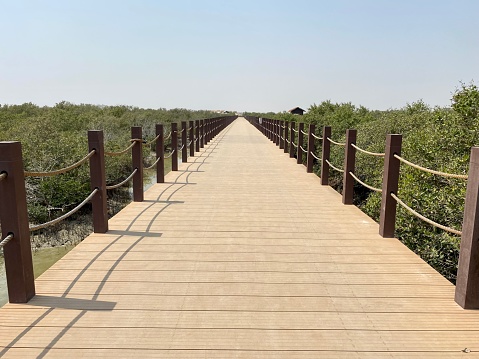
x=241 y=254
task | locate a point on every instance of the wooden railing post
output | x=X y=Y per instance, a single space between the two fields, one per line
x=197 y=131
x=192 y=138
x=286 y=134
x=387 y=216
x=291 y=140
x=310 y=158
x=137 y=162
x=184 y=142
x=14 y=220
x=467 y=283
x=278 y=132
x=326 y=152
x=281 y=135
x=98 y=180
x=299 y=153
x=349 y=164
x=202 y=133
x=174 y=146
x=160 y=153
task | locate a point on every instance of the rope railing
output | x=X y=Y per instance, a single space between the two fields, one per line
x=66 y=215
x=179 y=149
x=124 y=181
x=312 y=154
x=439 y=173
x=3 y=175
x=288 y=141
x=368 y=152
x=316 y=137
x=425 y=219
x=61 y=170
x=305 y=133
x=294 y=144
x=168 y=137
x=171 y=154
x=295 y=130
x=365 y=184
x=119 y=153
x=334 y=167
x=153 y=165
x=335 y=143
x=7 y=239
x=302 y=149
x=152 y=141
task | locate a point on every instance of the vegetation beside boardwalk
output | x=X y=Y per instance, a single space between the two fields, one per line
x=436 y=138
x=55 y=137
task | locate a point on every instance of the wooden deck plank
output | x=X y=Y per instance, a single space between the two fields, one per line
x=240 y=254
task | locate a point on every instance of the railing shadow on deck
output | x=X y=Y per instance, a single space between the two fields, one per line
x=284 y=135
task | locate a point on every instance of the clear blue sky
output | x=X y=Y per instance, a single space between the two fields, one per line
x=256 y=55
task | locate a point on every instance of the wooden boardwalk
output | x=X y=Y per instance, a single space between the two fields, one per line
x=241 y=254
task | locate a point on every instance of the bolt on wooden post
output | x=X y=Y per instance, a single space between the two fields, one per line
x=299 y=152
x=467 y=283
x=160 y=154
x=310 y=158
x=98 y=181
x=137 y=161
x=326 y=153
x=14 y=220
x=387 y=216
x=349 y=165
x=174 y=146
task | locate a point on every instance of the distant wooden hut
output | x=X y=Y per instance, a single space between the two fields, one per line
x=296 y=111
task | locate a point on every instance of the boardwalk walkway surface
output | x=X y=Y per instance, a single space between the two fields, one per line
x=241 y=254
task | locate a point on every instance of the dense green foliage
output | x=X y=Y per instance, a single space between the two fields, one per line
x=436 y=138
x=55 y=137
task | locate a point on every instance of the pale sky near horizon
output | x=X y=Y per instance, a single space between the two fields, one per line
x=260 y=55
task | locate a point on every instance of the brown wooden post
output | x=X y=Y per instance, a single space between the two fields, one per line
x=310 y=158
x=98 y=180
x=14 y=220
x=467 y=283
x=160 y=153
x=207 y=131
x=202 y=133
x=137 y=162
x=291 y=141
x=387 y=216
x=184 y=142
x=326 y=151
x=299 y=152
x=286 y=138
x=174 y=146
x=197 y=132
x=192 y=138
x=278 y=133
x=349 y=164
x=281 y=135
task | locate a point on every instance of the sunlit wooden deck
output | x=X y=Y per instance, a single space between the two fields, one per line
x=241 y=254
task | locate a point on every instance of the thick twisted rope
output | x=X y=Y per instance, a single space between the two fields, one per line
x=181 y=147
x=152 y=141
x=302 y=149
x=154 y=164
x=333 y=167
x=295 y=145
x=66 y=215
x=364 y=184
x=444 y=174
x=305 y=133
x=425 y=219
x=316 y=137
x=120 y=152
x=171 y=154
x=6 y=240
x=312 y=154
x=295 y=130
x=3 y=175
x=335 y=143
x=367 y=152
x=124 y=181
x=168 y=137
x=62 y=170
